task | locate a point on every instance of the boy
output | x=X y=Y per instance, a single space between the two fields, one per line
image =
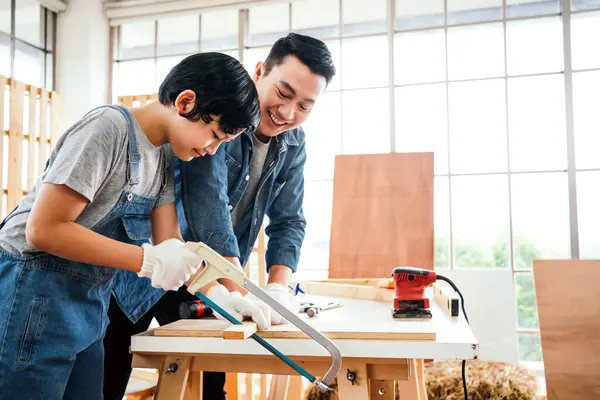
x=107 y=188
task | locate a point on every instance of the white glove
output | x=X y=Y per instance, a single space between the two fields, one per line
x=283 y=295
x=239 y=306
x=169 y=264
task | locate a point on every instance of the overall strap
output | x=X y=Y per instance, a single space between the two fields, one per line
x=134 y=158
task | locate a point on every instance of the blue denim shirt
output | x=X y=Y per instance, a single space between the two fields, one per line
x=208 y=189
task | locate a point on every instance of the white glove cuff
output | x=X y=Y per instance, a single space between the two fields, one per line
x=149 y=260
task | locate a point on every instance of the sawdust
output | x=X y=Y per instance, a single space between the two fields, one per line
x=485 y=381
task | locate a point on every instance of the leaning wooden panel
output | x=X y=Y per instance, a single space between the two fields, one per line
x=569 y=314
x=3 y=85
x=43 y=149
x=15 y=143
x=55 y=118
x=31 y=173
x=382 y=214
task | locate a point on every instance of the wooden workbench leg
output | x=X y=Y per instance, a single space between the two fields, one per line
x=360 y=389
x=231 y=385
x=421 y=383
x=381 y=390
x=173 y=377
x=409 y=389
x=295 y=388
x=193 y=390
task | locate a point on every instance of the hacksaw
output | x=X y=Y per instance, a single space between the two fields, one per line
x=216 y=267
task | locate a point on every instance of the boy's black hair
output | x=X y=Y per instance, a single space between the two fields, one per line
x=310 y=51
x=223 y=88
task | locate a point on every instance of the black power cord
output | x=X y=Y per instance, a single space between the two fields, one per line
x=462 y=303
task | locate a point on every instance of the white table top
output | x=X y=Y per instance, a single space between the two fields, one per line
x=454 y=337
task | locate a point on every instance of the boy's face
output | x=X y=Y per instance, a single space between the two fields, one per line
x=287 y=95
x=195 y=139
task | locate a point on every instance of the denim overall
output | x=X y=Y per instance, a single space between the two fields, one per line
x=53 y=312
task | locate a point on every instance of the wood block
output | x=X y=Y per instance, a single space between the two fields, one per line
x=568 y=309
x=348 y=291
x=447 y=299
x=382 y=214
x=240 y=332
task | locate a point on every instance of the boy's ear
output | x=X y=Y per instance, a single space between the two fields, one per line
x=184 y=103
x=259 y=71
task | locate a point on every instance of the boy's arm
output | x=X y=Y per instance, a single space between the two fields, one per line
x=51 y=227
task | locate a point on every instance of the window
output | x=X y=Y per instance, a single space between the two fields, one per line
x=27 y=32
x=480 y=83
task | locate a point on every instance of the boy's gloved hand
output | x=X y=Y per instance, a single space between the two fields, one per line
x=169 y=264
x=283 y=295
x=239 y=306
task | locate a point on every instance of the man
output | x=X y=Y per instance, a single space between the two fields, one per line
x=222 y=201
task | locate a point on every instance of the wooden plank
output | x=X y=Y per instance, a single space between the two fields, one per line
x=348 y=291
x=381 y=390
x=3 y=84
x=359 y=389
x=447 y=299
x=231 y=385
x=171 y=384
x=568 y=309
x=263 y=386
x=193 y=389
x=249 y=387
x=15 y=144
x=239 y=332
x=279 y=387
x=295 y=388
x=43 y=136
x=387 y=330
x=31 y=173
x=382 y=214
x=55 y=118
x=127 y=101
x=409 y=389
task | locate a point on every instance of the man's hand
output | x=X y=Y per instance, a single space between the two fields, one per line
x=283 y=295
x=239 y=307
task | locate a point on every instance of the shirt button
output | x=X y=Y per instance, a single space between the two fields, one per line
x=247 y=177
x=129 y=197
x=230 y=207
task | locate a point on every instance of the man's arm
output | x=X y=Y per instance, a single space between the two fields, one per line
x=287 y=224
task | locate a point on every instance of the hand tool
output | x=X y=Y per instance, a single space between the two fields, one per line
x=312 y=309
x=217 y=267
x=194 y=309
x=410 y=300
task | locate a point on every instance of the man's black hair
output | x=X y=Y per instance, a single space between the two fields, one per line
x=223 y=88
x=310 y=51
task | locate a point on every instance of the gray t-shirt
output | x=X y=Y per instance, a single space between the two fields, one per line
x=91 y=158
x=255 y=172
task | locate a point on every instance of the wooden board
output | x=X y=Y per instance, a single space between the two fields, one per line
x=382 y=214
x=357 y=319
x=352 y=291
x=569 y=311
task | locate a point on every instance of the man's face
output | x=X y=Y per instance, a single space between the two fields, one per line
x=287 y=95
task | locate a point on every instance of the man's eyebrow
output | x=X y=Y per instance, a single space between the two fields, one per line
x=291 y=89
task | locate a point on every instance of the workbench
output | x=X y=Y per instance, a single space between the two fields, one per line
x=376 y=347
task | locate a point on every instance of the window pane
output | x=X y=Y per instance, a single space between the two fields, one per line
x=534 y=46
x=358 y=18
x=588 y=213
x=584 y=4
x=233 y=53
x=318 y=202
x=540 y=213
x=268 y=23
x=28 y=22
x=135 y=77
x=219 y=30
x=585 y=30
x=164 y=66
x=137 y=40
x=441 y=215
x=480 y=221
x=178 y=35
x=536 y=109
x=421 y=122
x=4 y=55
x=461 y=12
x=253 y=56
x=476 y=52
x=29 y=64
x=528 y=8
x=323 y=136
x=325 y=23
x=527 y=316
x=366 y=121
x=365 y=62
x=530 y=347
x=477 y=127
x=49 y=82
x=411 y=14
x=420 y=57
x=334 y=47
x=586 y=90
x=5 y=18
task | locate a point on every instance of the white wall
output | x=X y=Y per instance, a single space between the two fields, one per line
x=82 y=59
